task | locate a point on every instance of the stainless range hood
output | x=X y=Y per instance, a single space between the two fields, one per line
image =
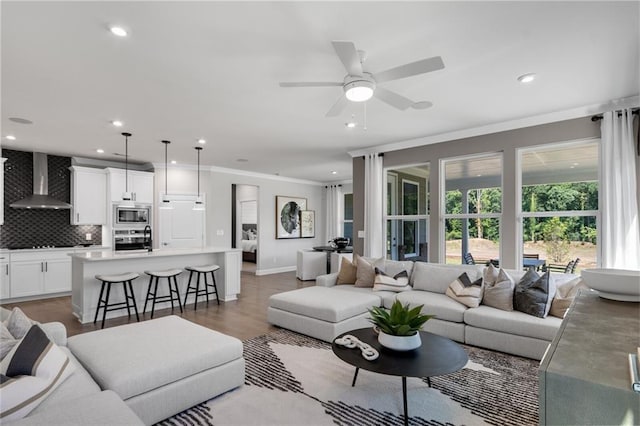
x=40 y=198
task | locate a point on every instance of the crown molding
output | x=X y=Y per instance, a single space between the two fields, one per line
x=584 y=111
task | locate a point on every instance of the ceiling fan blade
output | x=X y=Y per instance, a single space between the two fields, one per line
x=407 y=70
x=311 y=84
x=348 y=54
x=392 y=98
x=338 y=107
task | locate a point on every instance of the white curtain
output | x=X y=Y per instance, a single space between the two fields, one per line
x=334 y=214
x=620 y=229
x=373 y=205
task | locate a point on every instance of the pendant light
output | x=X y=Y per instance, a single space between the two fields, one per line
x=165 y=204
x=198 y=205
x=127 y=200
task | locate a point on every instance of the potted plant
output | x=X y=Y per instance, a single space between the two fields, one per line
x=398 y=328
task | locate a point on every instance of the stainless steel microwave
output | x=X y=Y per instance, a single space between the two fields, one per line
x=138 y=216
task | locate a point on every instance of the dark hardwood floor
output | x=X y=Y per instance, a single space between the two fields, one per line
x=243 y=318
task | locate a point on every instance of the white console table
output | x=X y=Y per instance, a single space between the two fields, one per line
x=584 y=377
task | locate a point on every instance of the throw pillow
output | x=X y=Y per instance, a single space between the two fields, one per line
x=29 y=373
x=397 y=283
x=18 y=323
x=490 y=274
x=347 y=273
x=365 y=274
x=7 y=341
x=463 y=290
x=534 y=293
x=499 y=294
x=565 y=293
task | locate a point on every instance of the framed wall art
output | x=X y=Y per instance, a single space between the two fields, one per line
x=288 y=216
x=307 y=224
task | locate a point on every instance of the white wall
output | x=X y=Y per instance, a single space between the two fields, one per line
x=274 y=255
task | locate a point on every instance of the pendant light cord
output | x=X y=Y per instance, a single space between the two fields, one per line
x=126 y=161
x=198 y=148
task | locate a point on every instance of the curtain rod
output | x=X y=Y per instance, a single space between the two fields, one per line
x=381 y=154
x=598 y=117
x=327 y=186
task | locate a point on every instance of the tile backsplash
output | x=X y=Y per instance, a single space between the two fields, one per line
x=40 y=227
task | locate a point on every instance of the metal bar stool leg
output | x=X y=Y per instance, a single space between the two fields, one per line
x=126 y=298
x=215 y=287
x=175 y=284
x=170 y=292
x=206 y=287
x=99 y=302
x=148 y=294
x=188 y=288
x=104 y=312
x=195 y=303
x=133 y=300
x=155 y=296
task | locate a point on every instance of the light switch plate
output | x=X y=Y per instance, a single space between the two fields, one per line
x=220 y=232
x=87 y=236
x=360 y=234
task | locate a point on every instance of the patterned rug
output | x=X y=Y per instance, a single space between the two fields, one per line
x=297 y=380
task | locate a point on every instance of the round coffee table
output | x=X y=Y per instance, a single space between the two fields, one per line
x=437 y=356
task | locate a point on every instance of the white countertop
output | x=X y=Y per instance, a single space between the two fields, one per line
x=53 y=249
x=97 y=256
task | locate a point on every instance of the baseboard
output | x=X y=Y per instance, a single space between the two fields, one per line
x=275 y=270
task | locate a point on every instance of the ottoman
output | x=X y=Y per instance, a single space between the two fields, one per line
x=321 y=312
x=162 y=366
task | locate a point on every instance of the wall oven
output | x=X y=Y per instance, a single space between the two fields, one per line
x=128 y=217
x=129 y=239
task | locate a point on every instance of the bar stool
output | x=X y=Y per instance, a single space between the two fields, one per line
x=174 y=294
x=107 y=280
x=202 y=270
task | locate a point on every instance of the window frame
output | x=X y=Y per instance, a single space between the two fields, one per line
x=344 y=220
x=443 y=215
x=521 y=215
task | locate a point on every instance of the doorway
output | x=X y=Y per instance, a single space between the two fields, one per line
x=245 y=226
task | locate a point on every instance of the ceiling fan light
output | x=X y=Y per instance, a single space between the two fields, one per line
x=359 y=91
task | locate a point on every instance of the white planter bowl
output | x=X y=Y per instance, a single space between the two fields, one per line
x=399 y=343
x=614 y=284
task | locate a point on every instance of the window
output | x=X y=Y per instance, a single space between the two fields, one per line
x=407 y=206
x=472 y=207
x=559 y=203
x=347 y=223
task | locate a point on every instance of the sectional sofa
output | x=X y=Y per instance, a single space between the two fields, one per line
x=328 y=309
x=137 y=374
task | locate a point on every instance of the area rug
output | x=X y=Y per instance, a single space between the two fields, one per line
x=293 y=379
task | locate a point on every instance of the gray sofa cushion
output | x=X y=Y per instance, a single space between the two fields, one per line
x=534 y=293
x=78 y=384
x=388 y=297
x=513 y=322
x=100 y=408
x=440 y=305
x=436 y=277
x=135 y=358
x=322 y=303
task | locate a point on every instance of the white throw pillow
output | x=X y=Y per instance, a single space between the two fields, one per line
x=565 y=293
x=18 y=323
x=29 y=373
x=397 y=283
x=465 y=291
x=7 y=341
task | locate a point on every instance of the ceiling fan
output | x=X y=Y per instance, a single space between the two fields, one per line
x=360 y=85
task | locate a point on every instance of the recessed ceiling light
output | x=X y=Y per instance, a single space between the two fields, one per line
x=117 y=123
x=333 y=172
x=350 y=124
x=11 y=137
x=119 y=31
x=202 y=141
x=100 y=151
x=478 y=175
x=527 y=78
x=174 y=162
x=575 y=164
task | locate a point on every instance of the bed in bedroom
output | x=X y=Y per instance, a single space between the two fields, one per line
x=249 y=242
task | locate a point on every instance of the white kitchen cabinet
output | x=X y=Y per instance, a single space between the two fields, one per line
x=88 y=196
x=36 y=273
x=140 y=185
x=2 y=160
x=5 y=290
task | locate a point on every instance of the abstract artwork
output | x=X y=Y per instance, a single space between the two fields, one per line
x=288 y=216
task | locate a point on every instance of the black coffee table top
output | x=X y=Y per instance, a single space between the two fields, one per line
x=437 y=355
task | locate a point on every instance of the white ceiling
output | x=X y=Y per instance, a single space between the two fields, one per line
x=211 y=70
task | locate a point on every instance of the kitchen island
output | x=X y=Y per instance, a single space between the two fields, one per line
x=86 y=288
